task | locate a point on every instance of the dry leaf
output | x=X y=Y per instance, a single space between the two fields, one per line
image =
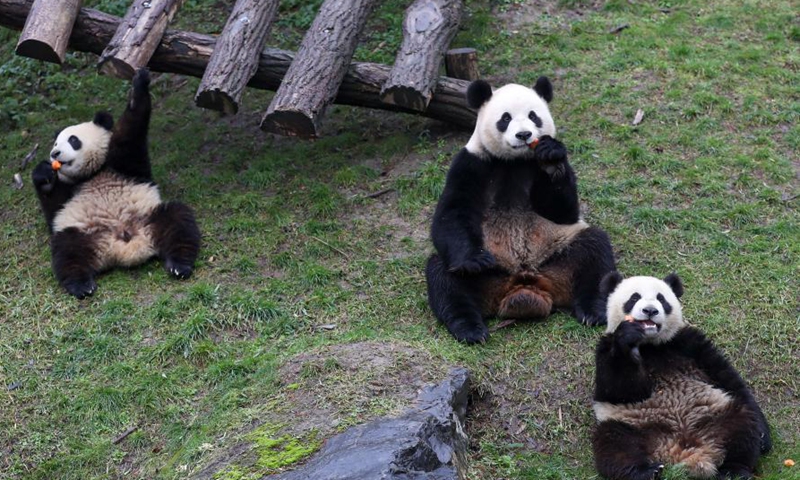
x=639 y=116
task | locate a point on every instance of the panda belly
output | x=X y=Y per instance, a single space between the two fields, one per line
x=521 y=242
x=114 y=212
x=685 y=419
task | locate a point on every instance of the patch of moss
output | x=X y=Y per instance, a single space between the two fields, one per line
x=234 y=472
x=274 y=453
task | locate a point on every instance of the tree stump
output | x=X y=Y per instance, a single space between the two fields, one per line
x=462 y=63
x=47 y=29
x=235 y=57
x=137 y=37
x=428 y=28
x=318 y=68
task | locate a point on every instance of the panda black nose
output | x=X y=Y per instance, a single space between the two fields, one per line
x=55 y=154
x=650 y=311
x=524 y=135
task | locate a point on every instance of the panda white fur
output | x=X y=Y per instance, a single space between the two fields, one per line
x=665 y=395
x=509 y=238
x=103 y=208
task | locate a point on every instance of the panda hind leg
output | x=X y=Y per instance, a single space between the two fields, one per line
x=454 y=303
x=588 y=258
x=74 y=259
x=621 y=453
x=176 y=238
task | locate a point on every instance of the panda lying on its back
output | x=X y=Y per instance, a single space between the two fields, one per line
x=102 y=207
x=665 y=394
x=509 y=238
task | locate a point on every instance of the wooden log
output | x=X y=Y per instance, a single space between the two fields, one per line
x=318 y=69
x=462 y=63
x=47 y=30
x=188 y=53
x=137 y=37
x=235 y=57
x=428 y=29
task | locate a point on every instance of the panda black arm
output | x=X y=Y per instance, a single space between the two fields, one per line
x=555 y=193
x=127 y=149
x=620 y=376
x=695 y=345
x=456 y=229
x=52 y=192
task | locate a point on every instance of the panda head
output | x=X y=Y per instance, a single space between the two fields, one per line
x=651 y=302
x=81 y=149
x=509 y=118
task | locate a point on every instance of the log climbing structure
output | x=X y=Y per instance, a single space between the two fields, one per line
x=321 y=72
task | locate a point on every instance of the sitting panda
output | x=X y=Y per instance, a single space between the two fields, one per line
x=101 y=205
x=508 y=234
x=665 y=394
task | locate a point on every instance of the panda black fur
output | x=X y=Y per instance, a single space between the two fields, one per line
x=103 y=208
x=507 y=230
x=665 y=394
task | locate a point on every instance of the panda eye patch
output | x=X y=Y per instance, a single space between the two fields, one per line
x=535 y=119
x=74 y=142
x=502 y=124
x=631 y=302
x=664 y=303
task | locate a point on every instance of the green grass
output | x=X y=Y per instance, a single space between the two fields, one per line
x=298 y=261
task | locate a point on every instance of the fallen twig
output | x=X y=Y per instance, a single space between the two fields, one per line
x=345 y=255
x=380 y=193
x=616 y=30
x=29 y=156
x=125 y=434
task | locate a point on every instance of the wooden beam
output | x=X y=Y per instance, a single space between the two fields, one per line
x=188 y=53
x=462 y=63
x=428 y=29
x=137 y=37
x=318 y=69
x=236 y=53
x=47 y=29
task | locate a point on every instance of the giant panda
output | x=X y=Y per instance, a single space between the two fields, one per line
x=509 y=238
x=665 y=394
x=101 y=205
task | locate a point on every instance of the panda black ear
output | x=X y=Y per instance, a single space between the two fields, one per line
x=104 y=119
x=544 y=88
x=675 y=283
x=609 y=283
x=478 y=93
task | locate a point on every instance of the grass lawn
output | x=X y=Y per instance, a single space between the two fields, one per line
x=307 y=312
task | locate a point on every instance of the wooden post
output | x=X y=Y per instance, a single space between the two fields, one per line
x=462 y=63
x=428 y=28
x=235 y=57
x=188 y=53
x=318 y=68
x=137 y=37
x=47 y=29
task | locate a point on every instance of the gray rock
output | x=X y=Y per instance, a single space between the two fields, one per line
x=427 y=442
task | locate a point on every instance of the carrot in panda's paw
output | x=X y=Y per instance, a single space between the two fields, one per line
x=56 y=165
x=533 y=144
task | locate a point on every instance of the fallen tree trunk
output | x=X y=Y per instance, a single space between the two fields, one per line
x=47 y=30
x=236 y=53
x=318 y=69
x=462 y=63
x=188 y=53
x=137 y=37
x=428 y=28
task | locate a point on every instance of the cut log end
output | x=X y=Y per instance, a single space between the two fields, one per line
x=39 y=50
x=215 y=99
x=289 y=123
x=116 y=68
x=406 y=97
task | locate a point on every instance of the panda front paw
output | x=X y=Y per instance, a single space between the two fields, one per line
x=43 y=176
x=483 y=261
x=469 y=331
x=551 y=155
x=141 y=87
x=627 y=337
x=178 y=270
x=81 y=289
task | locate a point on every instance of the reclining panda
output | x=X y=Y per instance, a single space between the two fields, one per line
x=101 y=205
x=508 y=233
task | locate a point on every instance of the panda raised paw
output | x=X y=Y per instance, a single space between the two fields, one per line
x=551 y=156
x=141 y=84
x=43 y=176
